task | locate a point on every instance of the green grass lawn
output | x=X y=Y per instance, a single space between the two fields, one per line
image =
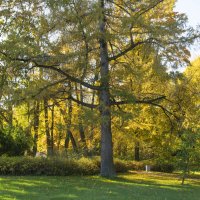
x=133 y=186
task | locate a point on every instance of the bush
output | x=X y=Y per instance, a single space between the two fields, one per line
x=65 y=167
x=49 y=167
x=122 y=165
x=58 y=166
x=165 y=167
x=14 y=141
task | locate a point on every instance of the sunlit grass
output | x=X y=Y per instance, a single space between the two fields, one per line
x=131 y=186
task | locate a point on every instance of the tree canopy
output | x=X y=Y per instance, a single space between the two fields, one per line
x=62 y=61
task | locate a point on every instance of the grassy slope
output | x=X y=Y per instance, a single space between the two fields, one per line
x=133 y=186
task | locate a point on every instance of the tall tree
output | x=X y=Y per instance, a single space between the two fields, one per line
x=96 y=40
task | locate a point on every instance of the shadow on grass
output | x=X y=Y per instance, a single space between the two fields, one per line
x=129 y=186
x=160 y=179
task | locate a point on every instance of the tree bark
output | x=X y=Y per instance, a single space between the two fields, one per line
x=91 y=136
x=107 y=165
x=80 y=122
x=186 y=169
x=48 y=136
x=137 y=151
x=36 y=126
x=83 y=139
x=69 y=137
x=10 y=115
x=68 y=121
x=52 y=129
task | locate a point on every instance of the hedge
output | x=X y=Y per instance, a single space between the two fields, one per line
x=64 y=167
x=54 y=166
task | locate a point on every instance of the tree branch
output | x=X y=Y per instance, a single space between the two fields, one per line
x=53 y=67
x=69 y=77
x=149 y=101
x=149 y=8
x=153 y=103
x=49 y=85
x=83 y=103
x=4 y=117
x=131 y=47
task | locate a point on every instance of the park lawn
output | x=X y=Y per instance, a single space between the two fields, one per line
x=130 y=186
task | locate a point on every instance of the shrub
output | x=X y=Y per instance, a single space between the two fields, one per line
x=164 y=167
x=14 y=141
x=49 y=167
x=57 y=166
x=87 y=166
x=65 y=166
x=122 y=165
x=135 y=165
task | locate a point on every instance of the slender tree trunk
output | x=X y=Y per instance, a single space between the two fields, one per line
x=107 y=165
x=83 y=139
x=69 y=137
x=36 y=126
x=52 y=129
x=48 y=136
x=59 y=140
x=10 y=115
x=60 y=131
x=186 y=169
x=92 y=126
x=137 y=151
x=68 y=121
x=28 y=129
x=80 y=122
x=2 y=82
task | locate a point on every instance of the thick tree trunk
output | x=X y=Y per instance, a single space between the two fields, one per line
x=36 y=126
x=107 y=165
x=137 y=151
x=48 y=136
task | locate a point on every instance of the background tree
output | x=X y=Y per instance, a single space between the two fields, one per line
x=82 y=41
